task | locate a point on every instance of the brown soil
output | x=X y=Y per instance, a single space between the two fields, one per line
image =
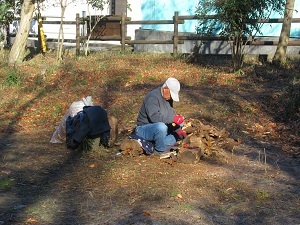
x=44 y=183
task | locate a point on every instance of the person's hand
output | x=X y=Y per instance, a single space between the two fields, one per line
x=181 y=134
x=172 y=127
x=179 y=120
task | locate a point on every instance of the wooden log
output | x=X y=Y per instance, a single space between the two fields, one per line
x=131 y=147
x=189 y=156
x=110 y=38
x=212 y=142
x=114 y=131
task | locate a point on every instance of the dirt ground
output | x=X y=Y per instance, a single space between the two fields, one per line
x=51 y=185
x=259 y=183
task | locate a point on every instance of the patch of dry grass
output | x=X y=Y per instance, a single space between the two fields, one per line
x=45 y=89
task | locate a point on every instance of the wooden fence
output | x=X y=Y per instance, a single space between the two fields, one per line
x=119 y=34
x=180 y=39
x=176 y=40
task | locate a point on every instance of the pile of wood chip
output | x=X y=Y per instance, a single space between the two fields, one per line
x=204 y=141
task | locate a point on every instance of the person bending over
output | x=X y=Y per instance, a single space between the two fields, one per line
x=157 y=121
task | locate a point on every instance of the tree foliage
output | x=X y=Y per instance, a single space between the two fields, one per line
x=5 y=15
x=97 y=4
x=5 y=18
x=9 y=9
x=235 y=19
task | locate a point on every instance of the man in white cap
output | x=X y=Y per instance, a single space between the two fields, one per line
x=157 y=121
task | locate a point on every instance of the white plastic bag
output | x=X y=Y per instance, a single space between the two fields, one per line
x=59 y=135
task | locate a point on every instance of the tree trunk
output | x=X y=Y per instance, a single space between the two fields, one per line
x=60 y=39
x=97 y=20
x=17 y=51
x=236 y=53
x=280 y=54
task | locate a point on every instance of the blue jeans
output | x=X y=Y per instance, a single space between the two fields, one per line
x=157 y=133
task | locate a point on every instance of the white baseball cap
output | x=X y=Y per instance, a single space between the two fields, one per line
x=174 y=86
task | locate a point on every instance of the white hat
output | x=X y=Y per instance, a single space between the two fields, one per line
x=174 y=86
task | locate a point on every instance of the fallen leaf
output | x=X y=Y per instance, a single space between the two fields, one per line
x=147 y=214
x=31 y=220
x=179 y=196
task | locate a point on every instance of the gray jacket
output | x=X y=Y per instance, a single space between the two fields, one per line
x=155 y=109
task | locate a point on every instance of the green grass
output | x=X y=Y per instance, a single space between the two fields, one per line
x=6 y=183
x=56 y=110
x=12 y=79
x=186 y=207
x=174 y=193
x=262 y=195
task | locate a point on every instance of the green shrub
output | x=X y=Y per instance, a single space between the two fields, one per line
x=12 y=78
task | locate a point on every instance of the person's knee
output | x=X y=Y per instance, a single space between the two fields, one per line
x=161 y=128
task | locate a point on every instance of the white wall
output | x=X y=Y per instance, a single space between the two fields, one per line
x=53 y=13
x=136 y=14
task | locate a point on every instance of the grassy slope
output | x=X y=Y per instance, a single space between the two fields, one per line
x=40 y=91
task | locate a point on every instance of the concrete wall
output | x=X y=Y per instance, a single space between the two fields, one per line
x=213 y=47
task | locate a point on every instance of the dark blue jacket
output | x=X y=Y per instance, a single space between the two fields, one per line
x=98 y=120
x=95 y=122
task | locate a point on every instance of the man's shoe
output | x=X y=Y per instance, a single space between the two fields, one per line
x=164 y=154
x=167 y=155
x=156 y=152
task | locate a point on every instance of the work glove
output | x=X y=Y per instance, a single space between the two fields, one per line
x=176 y=125
x=179 y=120
x=172 y=127
x=180 y=135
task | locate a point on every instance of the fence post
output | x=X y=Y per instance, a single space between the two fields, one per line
x=77 y=35
x=123 y=32
x=7 y=35
x=175 y=38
